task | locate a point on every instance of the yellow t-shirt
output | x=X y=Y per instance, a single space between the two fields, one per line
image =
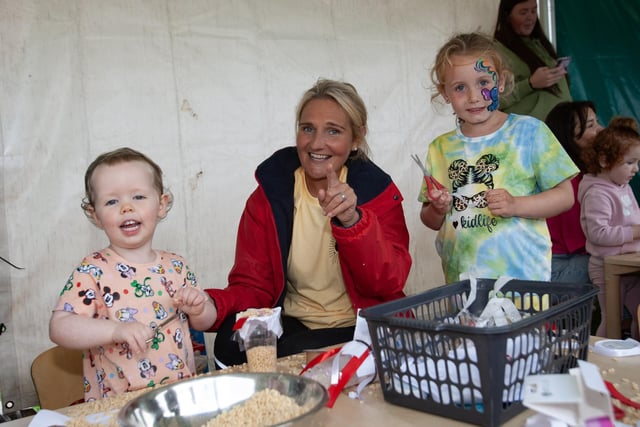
x=316 y=294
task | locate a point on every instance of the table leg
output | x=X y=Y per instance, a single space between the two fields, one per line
x=612 y=296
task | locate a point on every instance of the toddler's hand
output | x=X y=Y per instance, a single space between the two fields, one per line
x=135 y=334
x=191 y=300
x=500 y=202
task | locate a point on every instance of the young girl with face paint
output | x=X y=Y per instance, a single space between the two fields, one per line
x=503 y=174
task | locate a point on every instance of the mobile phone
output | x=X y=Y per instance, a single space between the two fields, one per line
x=563 y=61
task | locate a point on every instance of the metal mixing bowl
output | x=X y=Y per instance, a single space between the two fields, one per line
x=195 y=401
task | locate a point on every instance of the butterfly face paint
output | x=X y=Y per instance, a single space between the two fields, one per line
x=489 y=94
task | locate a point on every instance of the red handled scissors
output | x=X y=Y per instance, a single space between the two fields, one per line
x=432 y=183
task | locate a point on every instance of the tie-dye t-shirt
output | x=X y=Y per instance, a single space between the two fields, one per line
x=105 y=286
x=523 y=157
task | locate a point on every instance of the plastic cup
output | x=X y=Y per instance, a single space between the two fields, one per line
x=262 y=354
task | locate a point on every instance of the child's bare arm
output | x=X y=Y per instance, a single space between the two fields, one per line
x=198 y=305
x=430 y=217
x=72 y=330
x=546 y=204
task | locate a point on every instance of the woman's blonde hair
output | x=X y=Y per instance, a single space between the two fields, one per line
x=471 y=44
x=120 y=155
x=346 y=95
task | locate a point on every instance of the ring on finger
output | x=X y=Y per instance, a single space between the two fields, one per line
x=342 y=196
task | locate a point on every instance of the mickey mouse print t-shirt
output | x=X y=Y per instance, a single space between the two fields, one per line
x=106 y=286
x=523 y=157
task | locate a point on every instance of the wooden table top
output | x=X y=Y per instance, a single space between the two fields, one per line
x=373 y=410
x=631 y=259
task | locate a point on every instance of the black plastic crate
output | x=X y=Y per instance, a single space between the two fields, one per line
x=428 y=361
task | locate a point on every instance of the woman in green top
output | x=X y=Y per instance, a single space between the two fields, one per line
x=540 y=83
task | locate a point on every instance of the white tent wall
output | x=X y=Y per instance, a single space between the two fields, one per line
x=208 y=89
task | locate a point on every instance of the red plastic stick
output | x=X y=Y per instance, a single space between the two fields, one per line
x=621 y=397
